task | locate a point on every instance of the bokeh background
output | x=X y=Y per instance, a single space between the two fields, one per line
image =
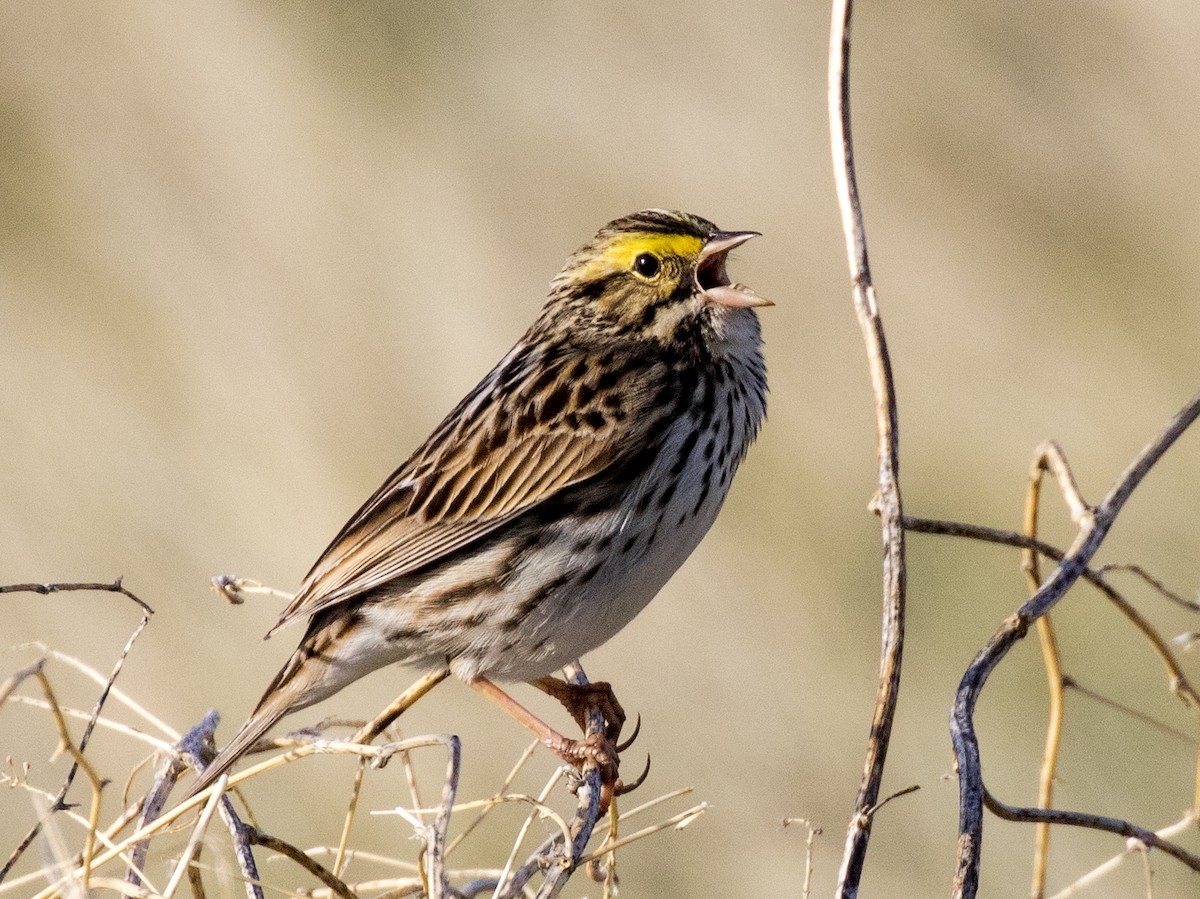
x=250 y=253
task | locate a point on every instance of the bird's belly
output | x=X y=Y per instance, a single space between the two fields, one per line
x=617 y=562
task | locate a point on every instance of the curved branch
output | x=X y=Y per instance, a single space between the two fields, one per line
x=1093 y=822
x=1093 y=528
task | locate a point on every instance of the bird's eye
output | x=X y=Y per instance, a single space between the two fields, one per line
x=647 y=265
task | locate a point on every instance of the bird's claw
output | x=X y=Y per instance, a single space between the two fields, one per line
x=637 y=729
x=620 y=789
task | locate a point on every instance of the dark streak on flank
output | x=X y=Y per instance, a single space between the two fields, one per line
x=531 y=602
x=685 y=452
x=664 y=498
x=485 y=585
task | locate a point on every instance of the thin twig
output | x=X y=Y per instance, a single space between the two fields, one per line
x=1092 y=822
x=1150 y=721
x=1177 y=680
x=496 y=799
x=240 y=833
x=1185 y=824
x=41 y=800
x=539 y=803
x=1093 y=529
x=82 y=763
x=813 y=833
x=46 y=590
x=196 y=747
x=433 y=856
x=887 y=502
x=235 y=589
x=316 y=869
x=1190 y=604
x=558 y=856
x=587 y=810
x=379 y=755
x=165 y=778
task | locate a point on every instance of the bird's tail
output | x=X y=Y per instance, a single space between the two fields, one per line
x=325 y=661
x=257 y=725
x=289 y=692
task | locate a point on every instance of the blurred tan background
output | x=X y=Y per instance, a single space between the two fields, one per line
x=250 y=253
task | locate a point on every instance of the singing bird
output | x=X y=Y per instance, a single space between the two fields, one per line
x=557 y=498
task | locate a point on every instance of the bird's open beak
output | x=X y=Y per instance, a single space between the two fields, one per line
x=714 y=283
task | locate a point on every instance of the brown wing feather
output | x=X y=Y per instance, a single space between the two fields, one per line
x=509 y=445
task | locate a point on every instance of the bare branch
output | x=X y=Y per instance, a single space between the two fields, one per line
x=316 y=869
x=1183 y=825
x=1093 y=529
x=1092 y=822
x=887 y=502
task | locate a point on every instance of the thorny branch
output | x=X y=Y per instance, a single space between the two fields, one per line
x=887 y=502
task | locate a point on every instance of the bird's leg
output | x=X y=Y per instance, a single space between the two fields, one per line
x=596 y=748
x=578 y=699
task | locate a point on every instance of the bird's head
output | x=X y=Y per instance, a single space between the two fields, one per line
x=655 y=275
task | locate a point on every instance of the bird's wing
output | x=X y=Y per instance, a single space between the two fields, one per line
x=545 y=419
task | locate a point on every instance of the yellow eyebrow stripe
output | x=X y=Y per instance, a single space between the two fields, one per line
x=624 y=248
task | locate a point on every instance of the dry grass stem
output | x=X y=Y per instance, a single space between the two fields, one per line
x=115 y=693
x=339 y=862
x=675 y=822
x=657 y=800
x=400 y=705
x=539 y=805
x=809 y=841
x=130 y=839
x=488 y=804
x=94 y=780
x=102 y=722
x=106 y=690
x=1049 y=457
x=197 y=837
x=236 y=589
